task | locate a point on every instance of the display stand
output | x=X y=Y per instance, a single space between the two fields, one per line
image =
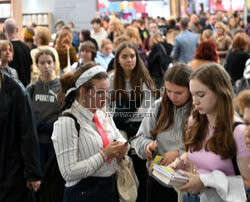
x=40 y=19
x=12 y=8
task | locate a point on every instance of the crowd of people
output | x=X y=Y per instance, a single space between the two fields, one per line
x=182 y=85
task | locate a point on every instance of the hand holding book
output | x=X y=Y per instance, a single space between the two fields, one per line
x=194 y=183
x=165 y=160
x=185 y=181
x=168 y=176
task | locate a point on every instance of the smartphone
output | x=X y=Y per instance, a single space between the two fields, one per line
x=132 y=138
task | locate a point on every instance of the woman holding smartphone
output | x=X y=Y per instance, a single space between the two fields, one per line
x=87 y=161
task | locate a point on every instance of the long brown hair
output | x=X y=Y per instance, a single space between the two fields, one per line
x=133 y=34
x=178 y=75
x=68 y=81
x=139 y=75
x=154 y=39
x=240 y=41
x=118 y=27
x=222 y=141
x=64 y=40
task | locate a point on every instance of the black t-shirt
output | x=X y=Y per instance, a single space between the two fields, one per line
x=21 y=61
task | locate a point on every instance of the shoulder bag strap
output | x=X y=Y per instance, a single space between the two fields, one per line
x=162 y=47
x=234 y=160
x=77 y=125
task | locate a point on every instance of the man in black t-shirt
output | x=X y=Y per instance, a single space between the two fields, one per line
x=21 y=59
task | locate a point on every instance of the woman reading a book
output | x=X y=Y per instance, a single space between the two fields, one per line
x=213 y=139
x=162 y=129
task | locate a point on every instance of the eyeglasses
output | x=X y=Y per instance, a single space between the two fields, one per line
x=218 y=28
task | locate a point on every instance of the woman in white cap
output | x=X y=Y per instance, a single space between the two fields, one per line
x=87 y=160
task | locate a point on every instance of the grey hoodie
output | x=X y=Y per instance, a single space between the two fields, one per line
x=168 y=140
x=46 y=105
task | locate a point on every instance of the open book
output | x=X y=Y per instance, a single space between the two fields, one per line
x=168 y=176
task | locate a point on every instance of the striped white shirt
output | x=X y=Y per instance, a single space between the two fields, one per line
x=79 y=157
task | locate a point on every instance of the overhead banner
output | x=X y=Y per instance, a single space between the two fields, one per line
x=227 y=5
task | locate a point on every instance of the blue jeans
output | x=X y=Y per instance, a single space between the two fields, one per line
x=187 y=197
x=93 y=189
x=248 y=195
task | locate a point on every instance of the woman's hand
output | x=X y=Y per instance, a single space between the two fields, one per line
x=116 y=149
x=33 y=185
x=169 y=157
x=181 y=163
x=176 y=164
x=194 y=183
x=150 y=148
x=122 y=149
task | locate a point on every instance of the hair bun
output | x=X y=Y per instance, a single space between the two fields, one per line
x=66 y=82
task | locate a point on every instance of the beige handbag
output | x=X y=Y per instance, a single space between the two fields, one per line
x=127 y=182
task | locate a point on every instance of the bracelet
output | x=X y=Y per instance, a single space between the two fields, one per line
x=106 y=156
x=103 y=157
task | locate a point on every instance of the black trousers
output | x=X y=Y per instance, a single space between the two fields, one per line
x=93 y=189
x=158 y=193
x=139 y=164
x=142 y=174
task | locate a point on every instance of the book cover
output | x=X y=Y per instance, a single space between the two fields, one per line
x=164 y=180
x=169 y=174
x=156 y=161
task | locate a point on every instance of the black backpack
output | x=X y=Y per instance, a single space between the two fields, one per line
x=52 y=186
